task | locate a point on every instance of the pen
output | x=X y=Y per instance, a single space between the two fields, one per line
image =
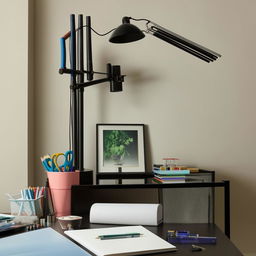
x=117 y=236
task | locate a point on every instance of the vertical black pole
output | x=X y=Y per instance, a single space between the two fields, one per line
x=89 y=49
x=80 y=93
x=73 y=90
x=213 y=196
x=227 y=207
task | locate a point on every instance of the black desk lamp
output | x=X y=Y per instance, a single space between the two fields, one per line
x=125 y=33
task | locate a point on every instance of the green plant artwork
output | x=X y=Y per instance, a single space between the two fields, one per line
x=118 y=145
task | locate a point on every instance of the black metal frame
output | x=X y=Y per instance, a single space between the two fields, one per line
x=121 y=176
x=113 y=174
x=225 y=184
x=77 y=84
x=148 y=177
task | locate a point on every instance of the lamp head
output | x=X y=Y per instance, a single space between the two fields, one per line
x=126 y=33
x=115 y=78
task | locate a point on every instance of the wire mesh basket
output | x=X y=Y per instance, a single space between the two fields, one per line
x=26 y=207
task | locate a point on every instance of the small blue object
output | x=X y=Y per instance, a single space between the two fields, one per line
x=182 y=233
x=63 y=53
x=185 y=237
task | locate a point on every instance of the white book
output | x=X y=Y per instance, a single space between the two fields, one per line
x=146 y=243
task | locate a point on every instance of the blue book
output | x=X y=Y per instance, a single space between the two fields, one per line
x=192 y=240
x=172 y=172
x=173 y=177
x=41 y=242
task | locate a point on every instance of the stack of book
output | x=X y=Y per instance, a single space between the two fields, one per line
x=170 y=176
x=175 y=167
x=6 y=221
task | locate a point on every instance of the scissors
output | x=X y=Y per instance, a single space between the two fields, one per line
x=48 y=164
x=51 y=164
x=67 y=163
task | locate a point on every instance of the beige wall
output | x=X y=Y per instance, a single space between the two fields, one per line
x=13 y=99
x=202 y=113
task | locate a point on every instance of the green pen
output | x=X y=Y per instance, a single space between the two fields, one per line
x=117 y=236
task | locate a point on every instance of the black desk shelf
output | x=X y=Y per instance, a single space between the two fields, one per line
x=84 y=196
x=119 y=176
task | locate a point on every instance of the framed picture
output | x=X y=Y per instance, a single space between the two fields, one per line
x=120 y=148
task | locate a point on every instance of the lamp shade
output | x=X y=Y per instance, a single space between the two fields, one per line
x=126 y=33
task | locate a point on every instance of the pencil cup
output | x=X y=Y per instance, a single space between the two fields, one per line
x=60 y=186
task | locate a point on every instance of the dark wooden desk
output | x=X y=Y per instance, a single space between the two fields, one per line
x=223 y=247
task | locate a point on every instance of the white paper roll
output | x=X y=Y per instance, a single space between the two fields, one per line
x=129 y=214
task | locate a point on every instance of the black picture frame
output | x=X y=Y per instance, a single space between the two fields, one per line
x=120 y=148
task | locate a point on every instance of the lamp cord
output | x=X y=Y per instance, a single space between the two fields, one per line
x=99 y=34
x=104 y=34
x=140 y=19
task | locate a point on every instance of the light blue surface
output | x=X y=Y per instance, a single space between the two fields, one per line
x=172 y=172
x=41 y=242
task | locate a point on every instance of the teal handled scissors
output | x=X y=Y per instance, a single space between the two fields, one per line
x=48 y=164
x=67 y=165
x=51 y=164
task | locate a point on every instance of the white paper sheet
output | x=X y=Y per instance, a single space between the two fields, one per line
x=147 y=243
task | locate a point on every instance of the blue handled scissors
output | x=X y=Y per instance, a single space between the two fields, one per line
x=48 y=164
x=51 y=164
x=67 y=165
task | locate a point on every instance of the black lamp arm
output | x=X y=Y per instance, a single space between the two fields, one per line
x=93 y=82
x=69 y=71
x=113 y=76
x=174 y=39
x=182 y=42
x=115 y=83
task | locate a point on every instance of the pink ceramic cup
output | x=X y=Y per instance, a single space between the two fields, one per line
x=60 y=186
